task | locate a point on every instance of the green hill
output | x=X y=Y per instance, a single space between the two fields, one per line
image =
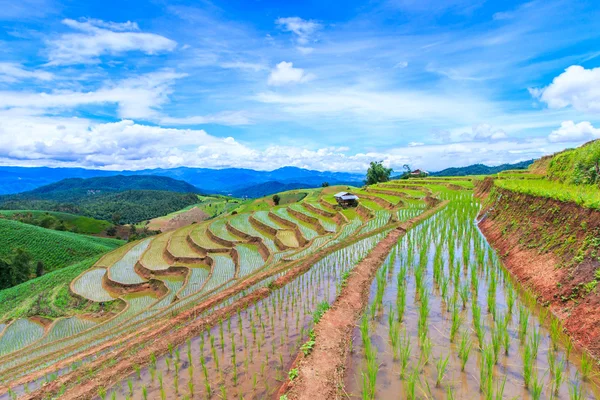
x=481 y=169
x=580 y=166
x=58 y=221
x=54 y=248
x=132 y=198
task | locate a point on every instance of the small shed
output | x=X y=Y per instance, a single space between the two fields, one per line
x=418 y=172
x=346 y=199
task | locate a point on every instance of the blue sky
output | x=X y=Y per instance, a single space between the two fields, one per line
x=322 y=85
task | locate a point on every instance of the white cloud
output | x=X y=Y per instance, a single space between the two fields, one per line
x=12 y=72
x=138 y=97
x=284 y=73
x=415 y=144
x=303 y=29
x=401 y=64
x=305 y=50
x=487 y=132
x=243 y=66
x=572 y=132
x=577 y=87
x=57 y=141
x=230 y=118
x=97 y=38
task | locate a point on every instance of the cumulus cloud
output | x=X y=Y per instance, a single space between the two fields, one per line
x=96 y=38
x=138 y=97
x=13 y=72
x=58 y=141
x=487 y=132
x=576 y=87
x=569 y=131
x=284 y=73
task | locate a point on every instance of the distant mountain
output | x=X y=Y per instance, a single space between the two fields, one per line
x=132 y=198
x=73 y=188
x=480 y=169
x=221 y=181
x=268 y=188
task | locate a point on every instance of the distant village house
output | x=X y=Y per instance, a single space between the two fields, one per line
x=346 y=199
x=419 y=172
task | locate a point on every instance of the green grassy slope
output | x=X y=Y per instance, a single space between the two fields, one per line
x=71 y=222
x=54 y=248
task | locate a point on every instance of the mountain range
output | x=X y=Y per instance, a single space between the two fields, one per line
x=237 y=181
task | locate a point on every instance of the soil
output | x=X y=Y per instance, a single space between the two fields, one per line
x=178 y=221
x=321 y=373
x=544 y=243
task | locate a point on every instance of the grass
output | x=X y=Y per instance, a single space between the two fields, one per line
x=55 y=249
x=70 y=222
x=584 y=195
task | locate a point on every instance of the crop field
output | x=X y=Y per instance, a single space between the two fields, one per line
x=71 y=222
x=444 y=318
x=446 y=321
x=288 y=238
x=306 y=229
x=123 y=270
x=19 y=334
x=89 y=286
x=327 y=223
x=218 y=228
x=250 y=259
x=198 y=234
x=153 y=258
x=54 y=248
x=179 y=247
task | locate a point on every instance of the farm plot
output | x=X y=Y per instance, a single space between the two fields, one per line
x=218 y=228
x=327 y=223
x=174 y=284
x=445 y=320
x=382 y=217
x=20 y=333
x=200 y=237
x=223 y=270
x=179 y=246
x=307 y=230
x=66 y=327
x=89 y=286
x=263 y=216
x=240 y=222
x=123 y=270
x=195 y=281
x=248 y=354
x=250 y=259
x=153 y=258
x=288 y=238
x=404 y=214
x=320 y=206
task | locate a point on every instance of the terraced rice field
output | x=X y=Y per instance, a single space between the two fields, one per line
x=123 y=270
x=153 y=258
x=218 y=227
x=307 y=231
x=20 y=333
x=71 y=337
x=89 y=286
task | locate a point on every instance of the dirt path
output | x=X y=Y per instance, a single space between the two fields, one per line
x=321 y=373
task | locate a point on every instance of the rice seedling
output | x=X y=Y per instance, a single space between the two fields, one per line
x=586 y=366
x=557 y=373
x=527 y=364
x=523 y=322
x=411 y=384
x=456 y=323
x=576 y=391
x=441 y=367
x=465 y=349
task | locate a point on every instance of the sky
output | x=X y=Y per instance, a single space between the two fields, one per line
x=325 y=85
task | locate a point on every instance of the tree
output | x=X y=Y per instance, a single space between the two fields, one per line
x=39 y=269
x=20 y=268
x=377 y=173
x=5 y=280
x=276 y=199
x=116 y=218
x=112 y=231
x=407 y=168
x=325 y=184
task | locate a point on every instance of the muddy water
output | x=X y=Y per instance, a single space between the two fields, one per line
x=248 y=355
x=457 y=221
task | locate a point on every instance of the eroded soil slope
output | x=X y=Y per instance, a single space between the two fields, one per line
x=553 y=248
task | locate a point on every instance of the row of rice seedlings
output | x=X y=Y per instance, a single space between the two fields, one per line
x=249 y=352
x=456 y=253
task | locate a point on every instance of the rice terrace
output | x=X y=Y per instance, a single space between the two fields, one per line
x=294 y=296
x=300 y=200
